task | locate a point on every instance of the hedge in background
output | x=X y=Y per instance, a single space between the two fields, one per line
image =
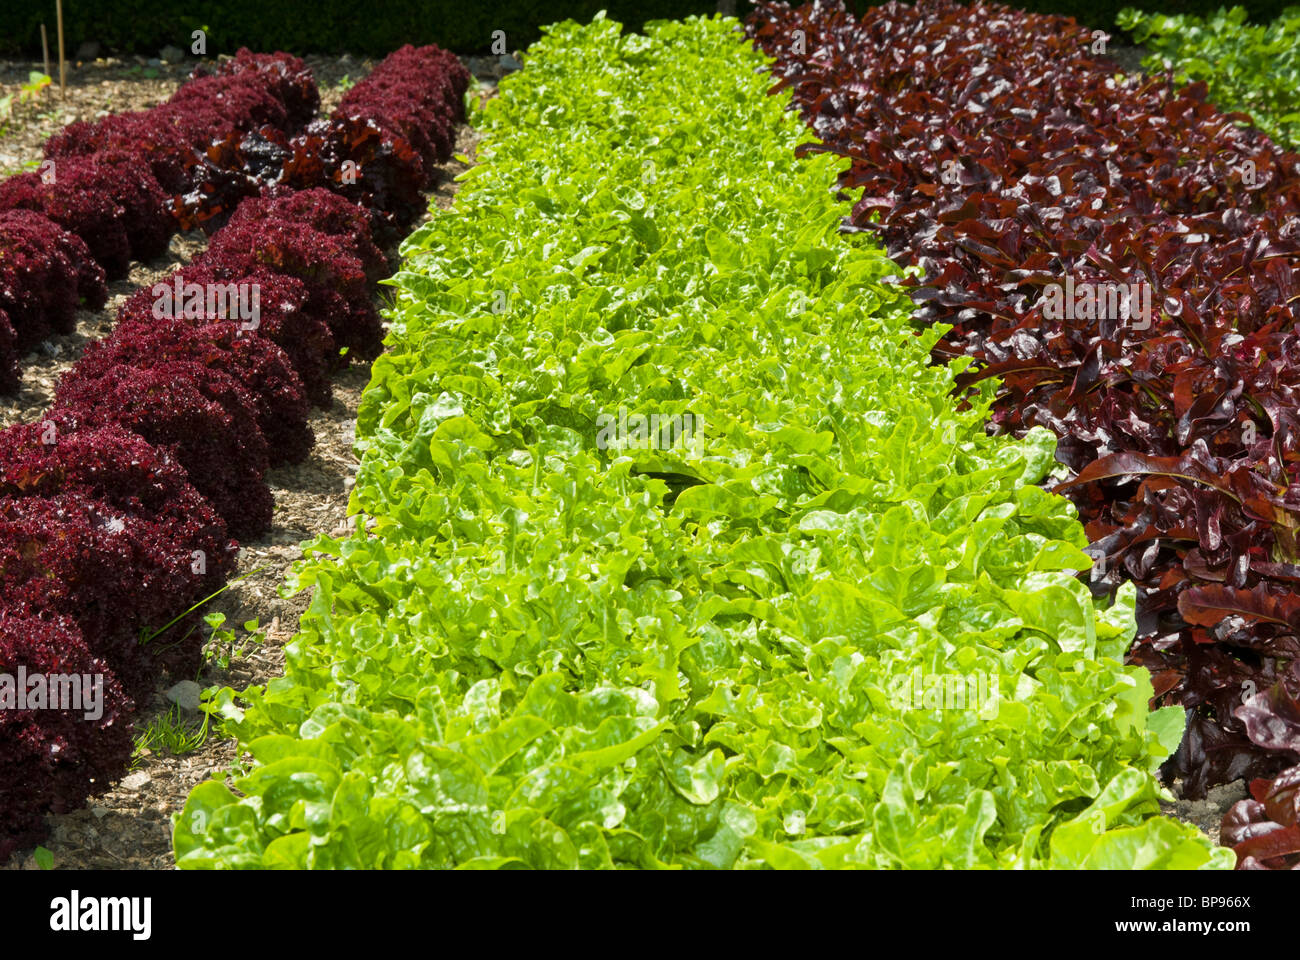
x=327 y=26
x=335 y=26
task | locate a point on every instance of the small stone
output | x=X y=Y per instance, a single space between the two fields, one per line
x=136 y=781
x=154 y=62
x=172 y=54
x=185 y=695
x=99 y=812
x=1226 y=794
x=509 y=62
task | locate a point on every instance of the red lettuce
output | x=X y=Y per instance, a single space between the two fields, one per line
x=54 y=760
x=186 y=409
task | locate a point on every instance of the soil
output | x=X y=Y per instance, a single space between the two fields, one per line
x=1129 y=58
x=129 y=826
x=1207 y=814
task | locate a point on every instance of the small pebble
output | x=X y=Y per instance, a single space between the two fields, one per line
x=136 y=781
x=185 y=694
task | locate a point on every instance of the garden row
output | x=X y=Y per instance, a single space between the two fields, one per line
x=102 y=196
x=121 y=186
x=1121 y=255
x=677 y=552
x=118 y=508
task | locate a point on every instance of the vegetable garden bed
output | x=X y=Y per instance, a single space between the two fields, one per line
x=566 y=644
x=1176 y=424
x=826 y=441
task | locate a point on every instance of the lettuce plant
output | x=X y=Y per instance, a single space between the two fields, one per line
x=285 y=76
x=1264 y=830
x=337 y=288
x=110 y=571
x=202 y=417
x=119 y=469
x=240 y=100
x=146 y=205
x=285 y=319
x=425 y=114
x=53 y=760
x=45 y=274
x=68 y=200
x=274 y=391
x=321 y=210
x=149 y=136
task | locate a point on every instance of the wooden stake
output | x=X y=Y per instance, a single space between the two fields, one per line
x=45 y=49
x=63 y=72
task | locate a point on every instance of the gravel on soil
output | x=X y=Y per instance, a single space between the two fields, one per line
x=1207 y=814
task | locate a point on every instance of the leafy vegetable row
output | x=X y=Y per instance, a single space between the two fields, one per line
x=378 y=148
x=103 y=195
x=669 y=529
x=996 y=154
x=122 y=185
x=1250 y=67
x=117 y=509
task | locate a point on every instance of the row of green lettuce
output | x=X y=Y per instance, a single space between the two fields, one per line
x=556 y=647
x=1248 y=67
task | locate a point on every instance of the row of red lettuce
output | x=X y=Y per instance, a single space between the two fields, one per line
x=121 y=508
